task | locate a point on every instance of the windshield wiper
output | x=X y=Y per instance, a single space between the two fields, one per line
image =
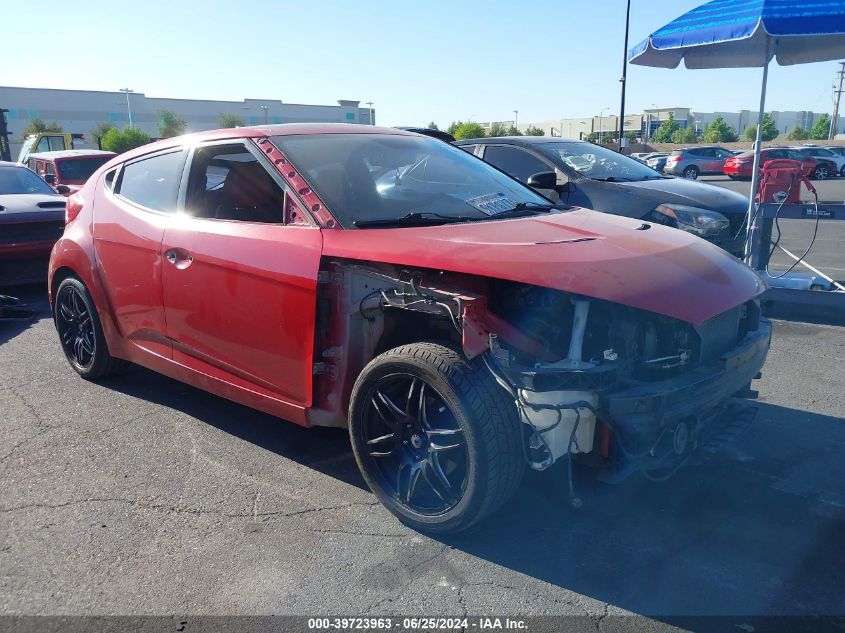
x=529 y=208
x=614 y=179
x=416 y=218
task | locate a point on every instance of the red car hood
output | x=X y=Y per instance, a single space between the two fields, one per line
x=608 y=257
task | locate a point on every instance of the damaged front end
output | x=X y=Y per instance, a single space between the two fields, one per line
x=611 y=385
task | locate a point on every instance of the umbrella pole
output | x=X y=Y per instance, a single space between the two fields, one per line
x=753 y=222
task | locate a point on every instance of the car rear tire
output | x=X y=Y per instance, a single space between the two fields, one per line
x=821 y=173
x=436 y=439
x=690 y=173
x=842 y=171
x=81 y=334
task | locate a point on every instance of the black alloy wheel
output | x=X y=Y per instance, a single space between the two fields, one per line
x=415 y=445
x=81 y=333
x=437 y=440
x=75 y=327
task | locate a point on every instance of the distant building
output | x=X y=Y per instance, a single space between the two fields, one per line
x=79 y=111
x=645 y=124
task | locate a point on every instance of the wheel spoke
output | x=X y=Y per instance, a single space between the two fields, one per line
x=444 y=432
x=78 y=349
x=435 y=447
x=67 y=337
x=84 y=319
x=381 y=439
x=408 y=476
x=438 y=481
x=66 y=312
x=391 y=406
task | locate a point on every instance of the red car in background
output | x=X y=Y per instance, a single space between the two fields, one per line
x=461 y=326
x=66 y=171
x=740 y=166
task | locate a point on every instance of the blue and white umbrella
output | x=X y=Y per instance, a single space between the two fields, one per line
x=748 y=33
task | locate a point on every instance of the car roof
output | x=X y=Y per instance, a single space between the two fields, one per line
x=6 y=163
x=70 y=153
x=259 y=131
x=527 y=141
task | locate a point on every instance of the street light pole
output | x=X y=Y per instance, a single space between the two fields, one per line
x=370 y=103
x=624 y=76
x=601 y=120
x=516 y=119
x=266 y=109
x=128 y=107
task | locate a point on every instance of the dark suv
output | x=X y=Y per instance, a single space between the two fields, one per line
x=591 y=176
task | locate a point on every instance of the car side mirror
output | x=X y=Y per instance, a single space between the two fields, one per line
x=543 y=180
x=50 y=179
x=63 y=189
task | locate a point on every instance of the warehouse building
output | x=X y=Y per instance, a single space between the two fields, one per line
x=79 y=111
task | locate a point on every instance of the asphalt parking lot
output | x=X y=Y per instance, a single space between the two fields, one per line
x=142 y=495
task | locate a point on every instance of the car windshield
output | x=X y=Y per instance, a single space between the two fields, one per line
x=16 y=180
x=369 y=178
x=78 y=170
x=596 y=162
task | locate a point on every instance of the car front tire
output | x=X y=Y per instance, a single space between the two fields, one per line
x=80 y=332
x=436 y=439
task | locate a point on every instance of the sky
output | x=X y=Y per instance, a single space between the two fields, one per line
x=416 y=61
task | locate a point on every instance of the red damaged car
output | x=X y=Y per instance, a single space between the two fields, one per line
x=461 y=326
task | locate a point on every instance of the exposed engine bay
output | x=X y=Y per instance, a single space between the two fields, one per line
x=589 y=378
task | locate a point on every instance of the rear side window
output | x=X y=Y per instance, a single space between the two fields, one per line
x=153 y=182
x=516 y=162
x=469 y=149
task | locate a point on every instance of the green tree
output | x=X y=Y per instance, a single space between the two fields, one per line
x=38 y=125
x=685 y=136
x=513 y=131
x=453 y=126
x=821 y=128
x=123 y=140
x=770 y=130
x=798 y=134
x=534 y=131
x=664 y=133
x=631 y=137
x=99 y=132
x=230 y=120
x=170 y=124
x=469 y=129
x=497 y=129
x=432 y=125
x=719 y=132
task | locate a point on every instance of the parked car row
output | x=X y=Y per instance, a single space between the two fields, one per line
x=462 y=326
x=820 y=163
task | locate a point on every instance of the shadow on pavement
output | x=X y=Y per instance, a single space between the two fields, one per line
x=748 y=534
x=34 y=297
x=324 y=449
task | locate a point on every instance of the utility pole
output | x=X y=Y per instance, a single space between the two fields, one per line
x=837 y=95
x=370 y=103
x=516 y=119
x=624 y=77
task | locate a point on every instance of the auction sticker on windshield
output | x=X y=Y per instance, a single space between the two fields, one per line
x=492 y=203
